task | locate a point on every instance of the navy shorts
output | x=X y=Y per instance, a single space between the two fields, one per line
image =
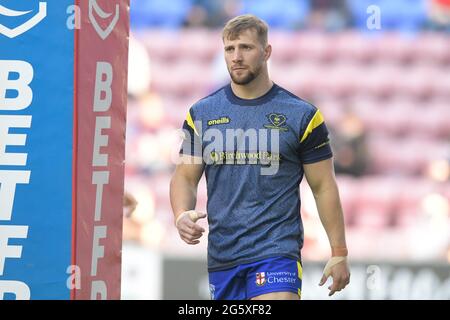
x=276 y=274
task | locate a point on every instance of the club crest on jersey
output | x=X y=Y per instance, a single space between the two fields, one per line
x=260 y=278
x=277 y=121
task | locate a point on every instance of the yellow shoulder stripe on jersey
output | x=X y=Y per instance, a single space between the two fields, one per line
x=190 y=122
x=316 y=121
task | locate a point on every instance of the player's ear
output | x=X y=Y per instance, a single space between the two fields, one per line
x=267 y=52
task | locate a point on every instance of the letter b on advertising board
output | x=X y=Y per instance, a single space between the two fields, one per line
x=62 y=118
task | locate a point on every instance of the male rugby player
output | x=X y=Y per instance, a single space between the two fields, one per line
x=255 y=228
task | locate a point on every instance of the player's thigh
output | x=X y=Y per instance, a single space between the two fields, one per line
x=278 y=296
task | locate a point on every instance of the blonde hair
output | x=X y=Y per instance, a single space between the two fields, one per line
x=237 y=25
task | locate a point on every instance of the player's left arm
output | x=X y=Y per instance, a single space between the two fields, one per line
x=321 y=178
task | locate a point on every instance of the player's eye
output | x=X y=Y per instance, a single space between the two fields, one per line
x=229 y=49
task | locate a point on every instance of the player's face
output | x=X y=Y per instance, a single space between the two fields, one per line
x=244 y=57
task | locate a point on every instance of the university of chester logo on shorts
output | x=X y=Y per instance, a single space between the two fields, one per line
x=27 y=25
x=260 y=278
x=277 y=121
x=222 y=120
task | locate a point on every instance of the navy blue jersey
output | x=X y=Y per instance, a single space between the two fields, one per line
x=253 y=151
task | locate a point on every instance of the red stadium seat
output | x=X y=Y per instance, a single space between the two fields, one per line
x=433 y=120
x=341 y=79
x=302 y=78
x=348 y=191
x=379 y=80
x=284 y=46
x=417 y=81
x=397 y=157
x=200 y=45
x=353 y=46
x=371 y=113
x=182 y=77
x=432 y=47
x=369 y=217
x=441 y=82
x=161 y=44
x=313 y=46
x=397 y=118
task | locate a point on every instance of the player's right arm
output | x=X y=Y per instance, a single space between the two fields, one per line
x=183 y=197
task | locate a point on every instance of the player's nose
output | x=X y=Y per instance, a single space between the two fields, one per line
x=237 y=56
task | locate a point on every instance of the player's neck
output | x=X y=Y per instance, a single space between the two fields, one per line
x=255 y=89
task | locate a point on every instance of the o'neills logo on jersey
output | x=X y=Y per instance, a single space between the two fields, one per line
x=260 y=278
x=222 y=120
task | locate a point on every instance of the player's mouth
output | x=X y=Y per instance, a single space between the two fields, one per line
x=238 y=68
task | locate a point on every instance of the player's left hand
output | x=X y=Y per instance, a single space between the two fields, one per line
x=339 y=272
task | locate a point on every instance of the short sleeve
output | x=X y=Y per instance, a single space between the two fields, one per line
x=314 y=140
x=191 y=144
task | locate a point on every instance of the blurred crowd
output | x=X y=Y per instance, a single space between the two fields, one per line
x=385 y=99
x=326 y=15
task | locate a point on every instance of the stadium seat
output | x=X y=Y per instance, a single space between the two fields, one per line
x=379 y=80
x=341 y=80
x=375 y=201
x=284 y=46
x=368 y=217
x=199 y=44
x=433 y=121
x=432 y=47
x=393 y=156
x=181 y=77
x=288 y=14
x=313 y=46
x=392 y=47
x=348 y=191
x=415 y=81
x=441 y=81
x=300 y=77
x=396 y=118
x=162 y=45
x=159 y=13
x=352 y=46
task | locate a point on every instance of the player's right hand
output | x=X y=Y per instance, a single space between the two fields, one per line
x=187 y=227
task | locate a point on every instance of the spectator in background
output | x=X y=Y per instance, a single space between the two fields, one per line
x=159 y=13
x=131 y=228
x=285 y=14
x=438 y=170
x=329 y=15
x=349 y=145
x=212 y=13
x=439 y=14
x=129 y=204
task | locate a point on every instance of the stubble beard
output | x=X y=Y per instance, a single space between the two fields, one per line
x=251 y=75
